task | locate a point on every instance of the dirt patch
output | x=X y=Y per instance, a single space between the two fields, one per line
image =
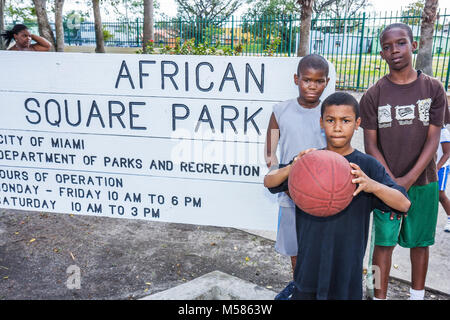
x=129 y=259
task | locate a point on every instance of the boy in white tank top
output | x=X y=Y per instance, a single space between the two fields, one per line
x=294 y=126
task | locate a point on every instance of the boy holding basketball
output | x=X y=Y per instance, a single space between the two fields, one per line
x=402 y=116
x=331 y=249
x=294 y=125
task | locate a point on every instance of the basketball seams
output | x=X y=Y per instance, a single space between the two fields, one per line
x=320 y=185
x=327 y=202
x=312 y=176
x=308 y=195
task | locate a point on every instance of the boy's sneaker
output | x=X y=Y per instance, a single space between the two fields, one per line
x=447 y=226
x=287 y=292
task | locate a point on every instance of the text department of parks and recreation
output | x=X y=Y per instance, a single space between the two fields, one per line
x=42 y=157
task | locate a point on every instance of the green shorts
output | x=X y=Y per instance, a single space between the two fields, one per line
x=418 y=229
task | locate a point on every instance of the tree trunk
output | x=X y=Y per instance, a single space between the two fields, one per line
x=305 y=26
x=424 y=60
x=100 y=48
x=148 y=24
x=59 y=28
x=44 y=27
x=2 y=24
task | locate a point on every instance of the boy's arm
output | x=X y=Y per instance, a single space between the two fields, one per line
x=390 y=196
x=369 y=122
x=371 y=148
x=276 y=180
x=445 y=154
x=272 y=138
x=427 y=154
x=276 y=177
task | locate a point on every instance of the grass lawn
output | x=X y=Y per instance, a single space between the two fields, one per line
x=373 y=68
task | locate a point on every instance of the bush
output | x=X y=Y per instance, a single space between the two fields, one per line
x=107 y=35
x=273 y=47
x=188 y=47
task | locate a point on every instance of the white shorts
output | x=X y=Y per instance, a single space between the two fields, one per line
x=286 y=243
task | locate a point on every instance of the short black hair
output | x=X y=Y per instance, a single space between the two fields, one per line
x=313 y=61
x=339 y=99
x=398 y=25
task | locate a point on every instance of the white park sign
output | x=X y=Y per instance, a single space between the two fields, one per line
x=155 y=137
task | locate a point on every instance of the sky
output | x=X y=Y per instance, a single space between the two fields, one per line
x=169 y=7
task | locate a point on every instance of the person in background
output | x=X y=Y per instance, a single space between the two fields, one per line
x=443 y=167
x=22 y=37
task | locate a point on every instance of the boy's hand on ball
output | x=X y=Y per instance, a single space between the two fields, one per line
x=302 y=153
x=362 y=180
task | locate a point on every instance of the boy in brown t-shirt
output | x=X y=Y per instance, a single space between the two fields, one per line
x=402 y=115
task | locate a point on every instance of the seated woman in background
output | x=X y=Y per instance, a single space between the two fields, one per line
x=23 y=37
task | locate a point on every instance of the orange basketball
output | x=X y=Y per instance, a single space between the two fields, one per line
x=320 y=183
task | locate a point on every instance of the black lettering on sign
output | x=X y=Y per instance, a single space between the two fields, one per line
x=169 y=70
x=141 y=73
x=260 y=83
x=66 y=109
x=124 y=67
x=168 y=75
x=208 y=119
x=114 y=112
x=252 y=120
x=197 y=76
x=228 y=78
x=230 y=120
x=176 y=117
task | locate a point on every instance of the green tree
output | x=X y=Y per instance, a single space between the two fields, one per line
x=208 y=9
x=23 y=11
x=336 y=8
x=339 y=8
x=197 y=16
x=270 y=18
x=412 y=14
x=127 y=9
x=267 y=20
x=341 y=11
x=261 y=8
